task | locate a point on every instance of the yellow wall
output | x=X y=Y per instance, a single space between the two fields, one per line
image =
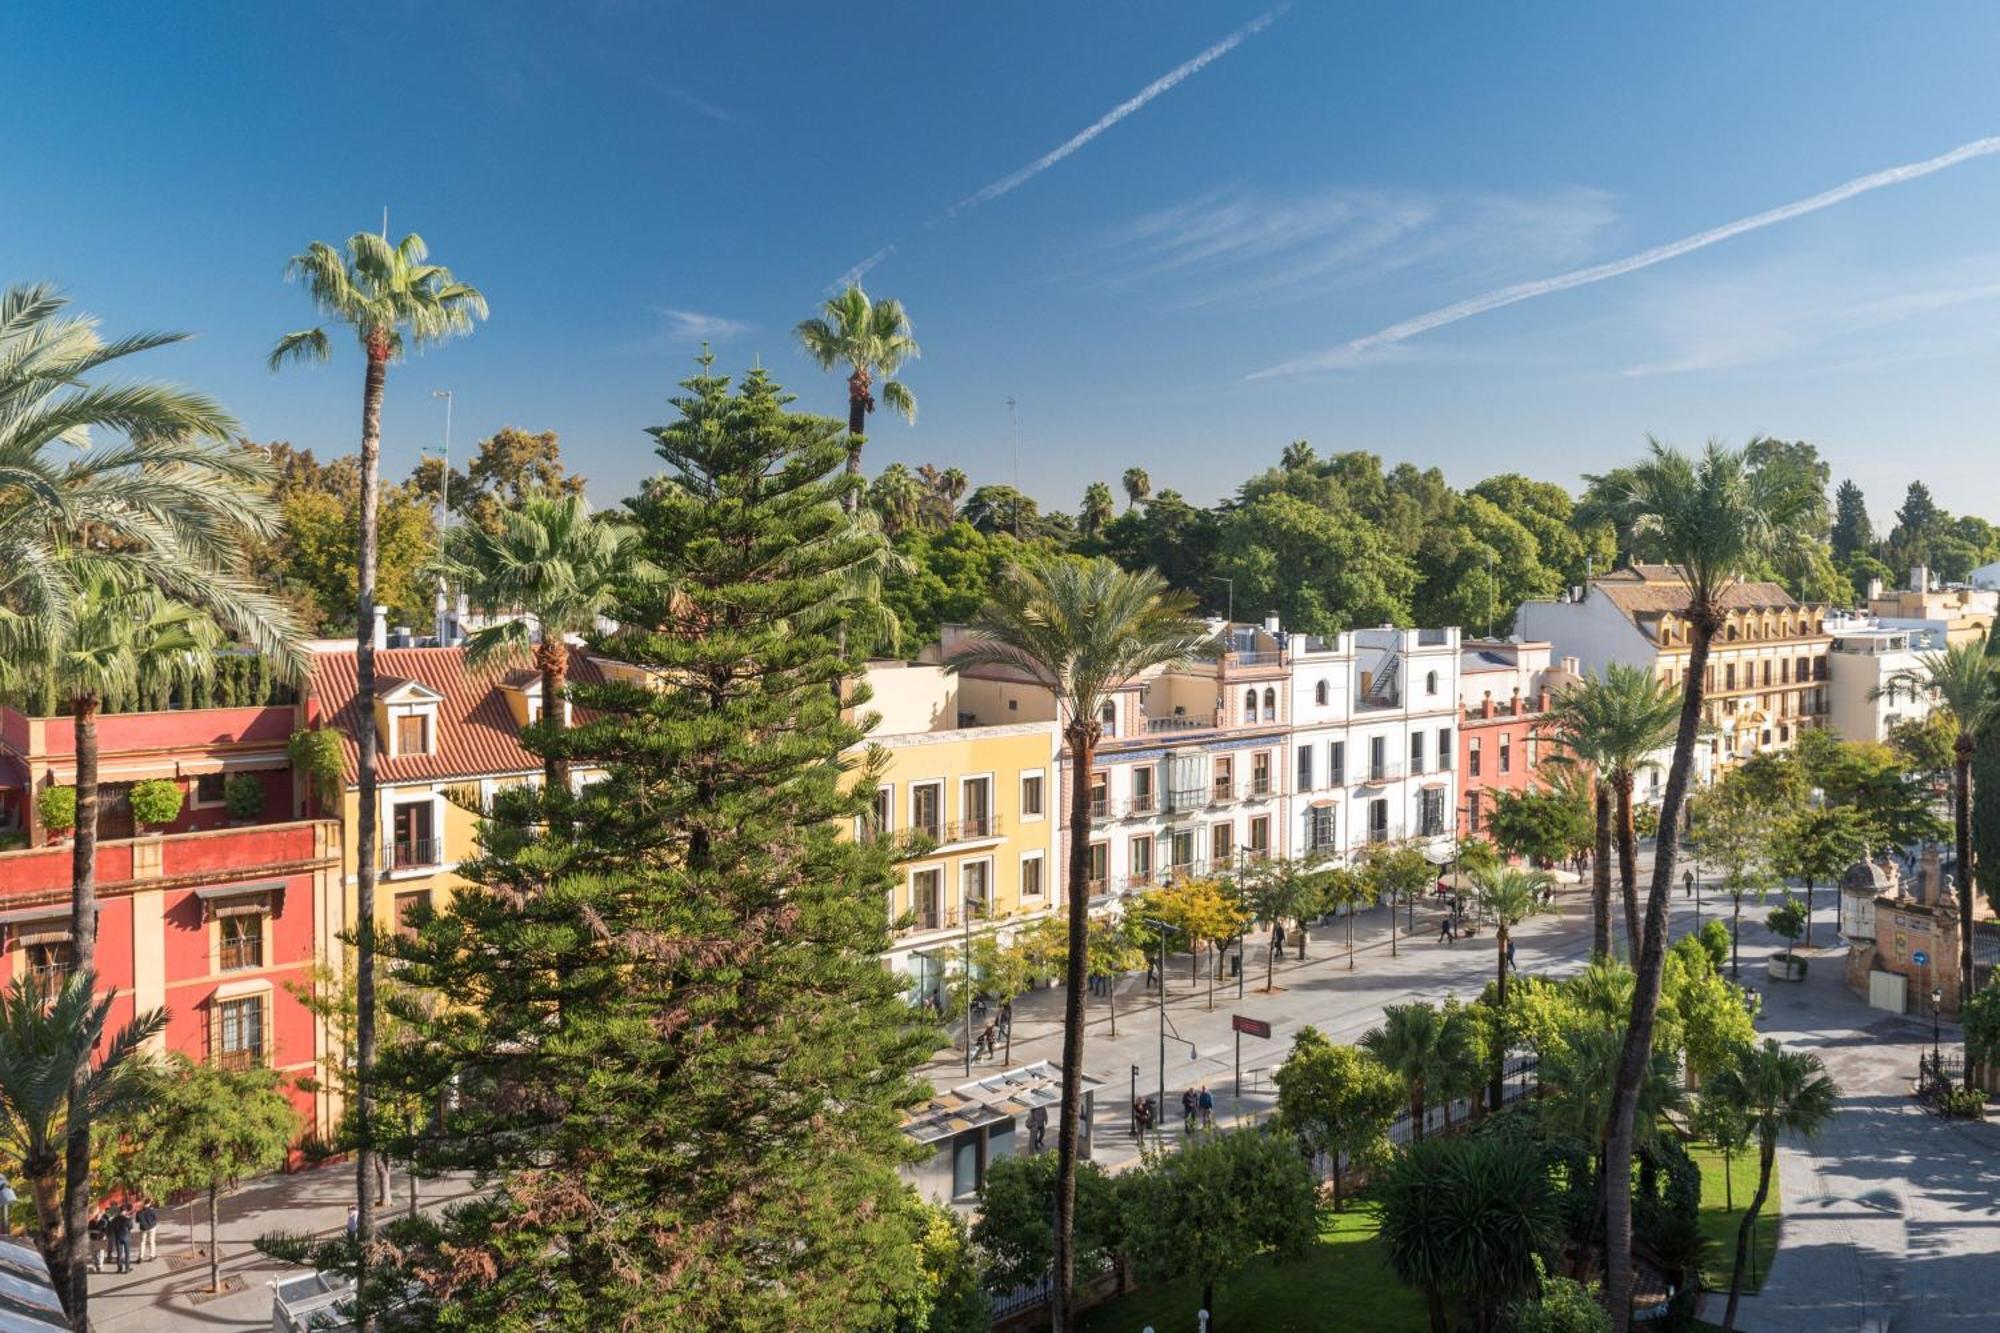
x=451 y=823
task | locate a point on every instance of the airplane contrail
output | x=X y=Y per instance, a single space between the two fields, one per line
x=1117 y=113
x=1345 y=353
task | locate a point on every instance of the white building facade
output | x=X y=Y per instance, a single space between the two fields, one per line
x=1863 y=660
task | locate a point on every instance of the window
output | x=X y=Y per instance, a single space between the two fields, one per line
x=975 y=888
x=209 y=788
x=1319 y=828
x=413 y=842
x=1729 y=676
x=926 y=809
x=1221 y=843
x=50 y=961
x=1142 y=789
x=927 y=898
x=1472 y=756
x=1378 y=759
x=1430 y=682
x=1260 y=773
x=1031 y=876
x=1183 y=848
x=1416 y=752
x=1305 y=768
x=407 y=903
x=1378 y=820
x=239 y=1033
x=242 y=941
x=1249 y=705
x=1270 y=704
x=1100 y=794
x=1107 y=718
x=1260 y=836
x=1100 y=865
x=413 y=734
x=1506 y=752
x=1225 y=777
x=1444 y=749
x=1142 y=857
x=1336 y=764
x=975 y=808
x=1784 y=671
x=883 y=816
x=1472 y=814
x=1767 y=671
x=1430 y=812
x=1320 y=693
x=1031 y=796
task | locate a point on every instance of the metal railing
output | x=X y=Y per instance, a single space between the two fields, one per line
x=1182 y=722
x=1182 y=800
x=240 y=1059
x=1232 y=661
x=969 y=830
x=240 y=952
x=1387 y=771
x=415 y=852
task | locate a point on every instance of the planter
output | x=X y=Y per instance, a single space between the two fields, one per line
x=1786 y=967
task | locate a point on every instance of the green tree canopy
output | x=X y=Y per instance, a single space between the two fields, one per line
x=1339 y=1100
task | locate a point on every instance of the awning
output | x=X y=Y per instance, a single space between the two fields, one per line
x=220 y=900
x=235 y=763
x=47 y=912
x=137 y=770
x=237 y=990
x=1441 y=853
x=1324 y=803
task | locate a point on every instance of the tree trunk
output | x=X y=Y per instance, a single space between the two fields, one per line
x=1600 y=875
x=1111 y=998
x=46 y=1186
x=1208 y=1301
x=1271 y=960
x=1766 y=1152
x=1728 y=1182
x=1083 y=745
x=83 y=944
x=1628 y=861
x=1417 y=1114
x=214 y=1247
x=1335 y=1154
x=1496 y=1091
x=859 y=399
x=1646 y=989
x=1434 y=1307
x=552 y=657
x=1735 y=934
x=1962 y=820
x=367 y=853
x=1809 y=910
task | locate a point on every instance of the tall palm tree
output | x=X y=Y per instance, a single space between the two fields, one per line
x=1509 y=896
x=1624 y=716
x=1713 y=517
x=897 y=498
x=942 y=490
x=1574 y=723
x=47 y=1040
x=1081 y=630
x=1963 y=683
x=1420 y=1046
x=1779 y=1092
x=871 y=338
x=1137 y=486
x=395 y=301
x=562 y=568
x=1097 y=510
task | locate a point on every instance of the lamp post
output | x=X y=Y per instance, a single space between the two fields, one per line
x=1162 y=927
x=1937 y=1058
x=965 y=966
x=1229 y=617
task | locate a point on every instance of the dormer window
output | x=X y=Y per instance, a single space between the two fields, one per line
x=406 y=717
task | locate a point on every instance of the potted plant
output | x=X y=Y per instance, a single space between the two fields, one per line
x=243 y=798
x=156 y=801
x=1787 y=919
x=58 y=810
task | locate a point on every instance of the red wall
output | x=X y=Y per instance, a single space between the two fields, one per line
x=1520 y=775
x=193 y=729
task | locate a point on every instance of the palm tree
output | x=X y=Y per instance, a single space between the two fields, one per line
x=562 y=568
x=1081 y=630
x=1712 y=517
x=1963 y=683
x=1509 y=896
x=1616 y=720
x=942 y=490
x=1419 y=1046
x=1097 y=510
x=1137 y=486
x=871 y=338
x=395 y=301
x=1778 y=1092
x=1468 y=1221
x=47 y=1038
x=897 y=497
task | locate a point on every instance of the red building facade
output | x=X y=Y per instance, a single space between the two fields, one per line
x=1505 y=690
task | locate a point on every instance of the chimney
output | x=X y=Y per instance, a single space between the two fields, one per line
x=1272 y=623
x=1920 y=578
x=380 y=638
x=1486 y=705
x=1874 y=590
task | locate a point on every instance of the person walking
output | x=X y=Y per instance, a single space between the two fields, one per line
x=1278 y=939
x=353 y=1221
x=1446 y=935
x=1687 y=884
x=1006 y=1018
x=1512 y=966
x=95 y=1233
x=1187 y=1111
x=1038 y=1128
x=149 y=1230
x=1207 y=1103
x=983 y=1048
x=119 y=1232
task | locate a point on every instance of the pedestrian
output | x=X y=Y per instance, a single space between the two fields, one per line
x=1038 y=1128
x=1207 y=1103
x=984 y=1046
x=1278 y=939
x=1142 y=1113
x=1006 y=1019
x=149 y=1230
x=1511 y=965
x=1188 y=1105
x=1445 y=933
x=95 y=1232
x=353 y=1221
x=1687 y=885
x=119 y=1232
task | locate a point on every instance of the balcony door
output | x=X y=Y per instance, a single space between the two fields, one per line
x=975 y=806
x=114 y=810
x=414 y=840
x=926 y=816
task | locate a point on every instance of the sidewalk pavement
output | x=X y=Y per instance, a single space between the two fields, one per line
x=156 y=1298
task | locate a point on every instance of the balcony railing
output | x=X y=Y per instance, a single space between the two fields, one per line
x=412 y=854
x=1181 y=800
x=972 y=829
x=1132 y=807
x=946 y=916
x=240 y=1059
x=1384 y=772
x=1234 y=661
x=243 y=952
x=1182 y=722
x=1257 y=788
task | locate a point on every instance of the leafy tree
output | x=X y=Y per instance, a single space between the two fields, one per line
x=1467 y=1222
x=1721 y=1124
x=1318 y=568
x=1222 y=1200
x=510 y=467
x=1702 y=1016
x=155 y=801
x=1339 y=1100
x=951 y=1298
x=1396 y=873
x=1015 y=1230
x=1115 y=950
x=395 y=301
x=1137 y=486
x=944 y=577
x=47 y=1043
x=1508 y=897
x=871 y=338
x=942 y=490
x=1203 y=911
x=205 y=1128
x=1421 y=1046
x=1853 y=534
x=560 y=565
x=1963 y=683
x=57 y=807
x=897 y=498
x=1924 y=745
x=996 y=508
x=1345 y=890
x=1565 y=1306
x=312 y=561
x=1787 y=920
x=1097 y=510
x=1981 y=1016
x=684 y=967
x=1817 y=846
x=1714 y=516
x=1174 y=538
x=1919 y=523
x=1545 y=825
x=1080 y=630
x=1777 y=1092
x=1279 y=890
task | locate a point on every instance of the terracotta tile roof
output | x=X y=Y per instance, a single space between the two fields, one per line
x=476 y=734
x=1649 y=591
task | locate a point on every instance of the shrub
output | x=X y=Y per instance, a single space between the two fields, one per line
x=1788 y=919
x=316 y=755
x=243 y=796
x=1965 y=1103
x=58 y=808
x=1565 y=1306
x=155 y=801
x=1714 y=939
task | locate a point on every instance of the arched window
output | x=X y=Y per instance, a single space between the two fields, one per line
x=1319 y=694
x=1431 y=683
x=1270 y=704
x=1249 y=705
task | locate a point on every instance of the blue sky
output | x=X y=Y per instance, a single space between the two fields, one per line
x=622 y=179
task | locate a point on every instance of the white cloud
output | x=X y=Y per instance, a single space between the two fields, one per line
x=686 y=326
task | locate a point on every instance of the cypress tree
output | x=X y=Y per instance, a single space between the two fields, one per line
x=673 y=1045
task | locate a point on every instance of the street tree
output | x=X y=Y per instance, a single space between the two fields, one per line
x=1080 y=630
x=1509 y=897
x=1281 y=889
x=1339 y=1100
x=1817 y=845
x=1397 y=874
x=1015 y=1229
x=1720 y=1123
x=1732 y=831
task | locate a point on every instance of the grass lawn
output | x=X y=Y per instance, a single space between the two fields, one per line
x=1344 y=1279
x=1720 y=1224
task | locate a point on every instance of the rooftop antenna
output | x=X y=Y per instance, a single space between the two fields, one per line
x=1489 y=592
x=1014 y=438
x=444 y=477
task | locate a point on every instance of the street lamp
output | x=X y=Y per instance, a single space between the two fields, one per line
x=1937 y=1060
x=1160 y=1111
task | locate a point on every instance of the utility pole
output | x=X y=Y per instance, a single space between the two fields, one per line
x=1014 y=441
x=1229 y=615
x=444 y=477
